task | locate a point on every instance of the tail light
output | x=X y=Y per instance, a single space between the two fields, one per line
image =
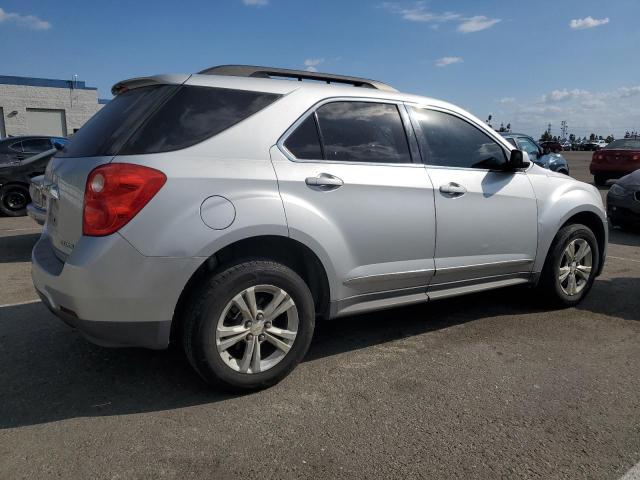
x=115 y=193
x=598 y=156
x=636 y=158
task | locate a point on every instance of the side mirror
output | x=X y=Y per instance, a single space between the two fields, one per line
x=58 y=145
x=518 y=159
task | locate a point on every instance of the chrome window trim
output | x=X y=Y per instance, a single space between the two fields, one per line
x=415 y=163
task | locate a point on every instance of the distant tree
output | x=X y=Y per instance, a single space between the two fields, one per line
x=489 y=120
x=584 y=139
x=609 y=139
x=592 y=137
x=508 y=127
x=555 y=139
x=545 y=137
x=572 y=138
x=627 y=134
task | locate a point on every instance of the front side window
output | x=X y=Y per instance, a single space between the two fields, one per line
x=16 y=147
x=512 y=142
x=448 y=140
x=363 y=132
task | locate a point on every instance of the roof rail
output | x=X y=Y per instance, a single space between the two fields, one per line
x=270 y=72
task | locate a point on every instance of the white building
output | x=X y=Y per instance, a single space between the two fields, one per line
x=43 y=106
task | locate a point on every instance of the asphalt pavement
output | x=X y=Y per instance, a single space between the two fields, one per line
x=488 y=386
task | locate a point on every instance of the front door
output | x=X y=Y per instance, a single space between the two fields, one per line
x=351 y=189
x=486 y=217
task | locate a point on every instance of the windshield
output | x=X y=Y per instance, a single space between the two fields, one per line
x=624 y=144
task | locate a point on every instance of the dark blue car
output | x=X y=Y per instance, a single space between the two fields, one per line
x=546 y=159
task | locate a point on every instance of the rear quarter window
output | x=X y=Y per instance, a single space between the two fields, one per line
x=163 y=118
x=194 y=114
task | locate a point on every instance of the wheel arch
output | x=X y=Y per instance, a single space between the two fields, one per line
x=292 y=253
x=599 y=229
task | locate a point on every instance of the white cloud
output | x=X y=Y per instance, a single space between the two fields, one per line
x=477 y=23
x=565 y=94
x=587 y=22
x=419 y=12
x=444 y=61
x=311 y=64
x=27 y=21
x=602 y=112
x=256 y=3
x=505 y=100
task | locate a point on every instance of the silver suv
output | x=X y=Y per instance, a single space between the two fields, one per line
x=230 y=209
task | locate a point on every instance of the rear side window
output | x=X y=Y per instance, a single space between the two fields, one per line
x=304 y=142
x=363 y=132
x=194 y=114
x=163 y=118
x=451 y=141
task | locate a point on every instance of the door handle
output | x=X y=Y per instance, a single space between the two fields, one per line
x=325 y=181
x=453 y=189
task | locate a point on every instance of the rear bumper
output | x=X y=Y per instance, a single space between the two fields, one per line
x=110 y=292
x=612 y=171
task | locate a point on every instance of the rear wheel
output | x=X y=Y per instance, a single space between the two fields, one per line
x=249 y=325
x=600 y=180
x=569 y=270
x=14 y=200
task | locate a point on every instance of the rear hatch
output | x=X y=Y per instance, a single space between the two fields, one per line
x=95 y=144
x=619 y=157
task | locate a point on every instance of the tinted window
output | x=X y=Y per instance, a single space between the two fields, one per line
x=194 y=114
x=624 y=144
x=16 y=147
x=108 y=129
x=512 y=142
x=304 y=142
x=450 y=141
x=36 y=145
x=363 y=132
x=163 y=118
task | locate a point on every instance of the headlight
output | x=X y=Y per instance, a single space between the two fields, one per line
x=618 y=190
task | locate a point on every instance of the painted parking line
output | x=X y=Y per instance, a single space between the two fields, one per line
x=26 y=302
x=30 y=229
x=625 y=259
x=632 y=474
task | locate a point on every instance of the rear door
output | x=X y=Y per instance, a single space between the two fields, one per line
x=351 y=188
x=486 y=218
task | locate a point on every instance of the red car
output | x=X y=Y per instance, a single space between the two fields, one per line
x=617 y=159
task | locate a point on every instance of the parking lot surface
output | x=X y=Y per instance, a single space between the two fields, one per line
x=486 y=386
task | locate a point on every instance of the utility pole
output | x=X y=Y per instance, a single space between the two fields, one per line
x=549 y=129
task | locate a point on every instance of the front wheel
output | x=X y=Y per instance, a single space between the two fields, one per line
x=571 y=264
x=249 y=325
x=600 y=180
x=14 y=200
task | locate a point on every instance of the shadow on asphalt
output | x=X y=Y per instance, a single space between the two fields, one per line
x=17 y=248
x=630 y=238
x=51 y=373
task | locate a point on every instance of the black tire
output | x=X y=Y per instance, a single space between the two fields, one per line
x=549 y=282
x=14 y=199
x=600 y=180
x=207 y=305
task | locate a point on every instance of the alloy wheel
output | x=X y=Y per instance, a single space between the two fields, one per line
x=256 y=329
x=575 y=267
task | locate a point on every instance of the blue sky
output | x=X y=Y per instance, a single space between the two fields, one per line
x=525 y=62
